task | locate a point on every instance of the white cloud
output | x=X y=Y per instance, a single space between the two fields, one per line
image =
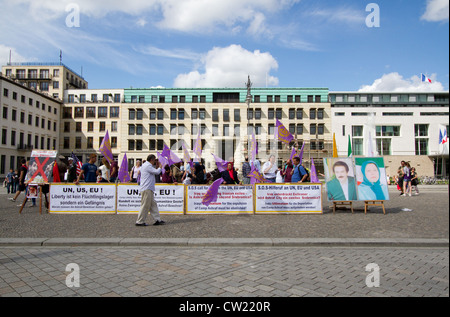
x=229 y=67
x=175 y=53
x=437 y=10
x=5 y=52
x=339 y=15
x=394 y=82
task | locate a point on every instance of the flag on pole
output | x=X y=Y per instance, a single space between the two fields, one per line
x=335 y=151
x=105 y=148
x=77 y=162
x=198 y=147
x=56 y=178
x=171 y=157
x=294 y=151
x=283 y=134
x=425 y=79
x=300 y=155
x=212 y=193
x=124 y=176
x=162 y=159
x=221 y=164
x=313 y=174
x=256 y=176
x=187 y=157
x=349 y=151
x=443 y=137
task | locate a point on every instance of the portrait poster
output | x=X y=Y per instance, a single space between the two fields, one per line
x=340 y=179
x=40 y=167
x=33 y=191
x=371 y=178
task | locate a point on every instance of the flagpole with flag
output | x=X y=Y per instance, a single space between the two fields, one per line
x=282 y=134
x=335 y=151
x=124 y=176
x=349 y=151
x=425 y=79
x=105 y=148
x=198 y=147
x=77 y=162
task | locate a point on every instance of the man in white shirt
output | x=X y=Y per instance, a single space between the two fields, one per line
x=270 y=169
x=147 y=188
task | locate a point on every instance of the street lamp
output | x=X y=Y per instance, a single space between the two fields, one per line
x=248 y=101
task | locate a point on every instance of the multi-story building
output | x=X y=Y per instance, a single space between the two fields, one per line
x=154 y=117
x=402 y=126
x=85 y=118
x=48 y=78
x=29 y=120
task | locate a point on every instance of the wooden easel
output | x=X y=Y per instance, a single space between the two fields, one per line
x=342 y=203
x=40 y=200
x=368 y=203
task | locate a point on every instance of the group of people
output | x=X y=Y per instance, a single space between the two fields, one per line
x=11 y=181
x=406 y=179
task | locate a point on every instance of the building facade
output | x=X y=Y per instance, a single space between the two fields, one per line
x=29 y=120
x=402 y=126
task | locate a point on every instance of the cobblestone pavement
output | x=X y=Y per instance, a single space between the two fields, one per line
x=224 y=272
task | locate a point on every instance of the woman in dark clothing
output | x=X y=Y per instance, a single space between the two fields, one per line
x=198 y=176
x=230 y=175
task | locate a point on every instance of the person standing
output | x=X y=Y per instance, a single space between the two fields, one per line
x=270 y=169
x=104 y=170
x=414 y=180
x=299 y=174
x=114 y=171
x=135 y=172
x=406 y=179
x=287 y=171
x=147 y=188
x=9 y=181
x=89 y=170
x=72 y=171
x=246 y=169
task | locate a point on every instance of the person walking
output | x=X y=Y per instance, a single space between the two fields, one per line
x=23 y=172
x=10 y=181
x=147 y=188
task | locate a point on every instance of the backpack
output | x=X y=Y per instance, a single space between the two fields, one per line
x=308 y=178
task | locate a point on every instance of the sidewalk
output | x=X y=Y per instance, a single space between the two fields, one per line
x=417 y=221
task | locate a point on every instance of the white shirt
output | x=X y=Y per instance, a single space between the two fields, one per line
x=105 y=172
x=272 y=172
x=148 y=173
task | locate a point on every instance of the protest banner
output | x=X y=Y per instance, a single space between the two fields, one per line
x=40 y=167
x=231 y=199
x=170 y=199
x=288 y=198
x=69 y=198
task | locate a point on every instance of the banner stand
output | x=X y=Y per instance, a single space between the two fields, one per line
x=336 y=204
x=368 y=203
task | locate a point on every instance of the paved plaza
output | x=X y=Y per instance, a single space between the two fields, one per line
x=228 y=256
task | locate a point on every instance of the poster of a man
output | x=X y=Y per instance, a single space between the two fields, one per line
x=340 y=179
x=371 y=178
x=40 y=167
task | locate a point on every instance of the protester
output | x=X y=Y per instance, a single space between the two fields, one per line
x=270 y=169
x=166 y=177
x=177 y=173
x=135 y=171
x=198 y=177
x=400 y=177
x=89 y=170
x=230 y=176
x=147 y=188
x=280 y=178
x=299 y=174
x=246 y=169
x=414 y=180
x=104 y=171
x=72 y=170
x=114 y=171
x=287 y=171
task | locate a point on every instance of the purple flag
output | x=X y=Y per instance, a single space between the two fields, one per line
x=294 y=151
x=221 y=164
x=170 y=156
x=164 y=161
x=187 y=157
x=301 y=153
x=256 y=176
x=283 y=134
x=105 y=148
x=198 y=146
x=211 y=195
x=313 y=174
x=124 y=176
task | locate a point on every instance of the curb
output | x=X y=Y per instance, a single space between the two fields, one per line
x=220 y=242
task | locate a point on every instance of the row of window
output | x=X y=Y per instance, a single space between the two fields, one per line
x=94 y=98
x=90 y=127
x=38 y=121
x=38 y=104
x=159 y=129
x=20 y=141
x=90 y=112
x=202 y=99
x=44 y=74
x=390 y=98
x=89 y=142
x=392 y=114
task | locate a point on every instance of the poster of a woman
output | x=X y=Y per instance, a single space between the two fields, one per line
x=371 y=179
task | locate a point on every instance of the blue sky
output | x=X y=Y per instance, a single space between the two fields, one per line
x=217 y=43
